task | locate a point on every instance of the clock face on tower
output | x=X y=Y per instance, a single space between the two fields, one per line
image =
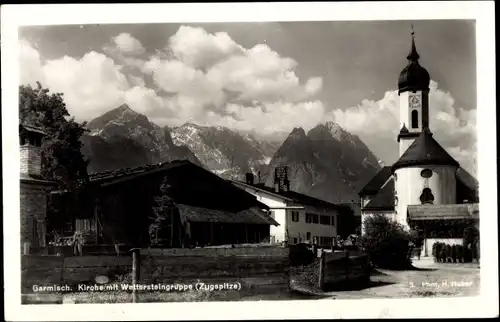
x=414 y=101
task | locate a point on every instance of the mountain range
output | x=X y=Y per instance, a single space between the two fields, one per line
x=328 y=162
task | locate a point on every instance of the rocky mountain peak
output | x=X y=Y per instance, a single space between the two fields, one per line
x=297 y=133
x=119 y=116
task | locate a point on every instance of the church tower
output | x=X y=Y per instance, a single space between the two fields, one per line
x=424 y=173
x=413 y=90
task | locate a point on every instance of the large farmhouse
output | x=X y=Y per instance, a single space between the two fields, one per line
x=201 y=208
x=425 y=188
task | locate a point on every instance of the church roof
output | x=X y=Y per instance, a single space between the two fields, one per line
x=425 y=151
x=443 y=212
x=467 y=179
x=413 y=76
x=405 y=133
x=384 y=200
x=373 y=186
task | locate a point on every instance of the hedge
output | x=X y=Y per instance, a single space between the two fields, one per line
x=456 y=253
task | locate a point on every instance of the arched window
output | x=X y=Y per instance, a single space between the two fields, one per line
x=427 y=197
x=414 y=119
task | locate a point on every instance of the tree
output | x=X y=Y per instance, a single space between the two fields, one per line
x=387 y=242
x=62 y=159
x=162 y=215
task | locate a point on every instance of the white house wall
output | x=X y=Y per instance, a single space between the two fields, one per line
x=409 y=185
x=282 y=211
x=278 y=208
x=298 y=230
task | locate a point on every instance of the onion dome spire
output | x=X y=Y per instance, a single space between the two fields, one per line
x=413 y=55
x=413 y=77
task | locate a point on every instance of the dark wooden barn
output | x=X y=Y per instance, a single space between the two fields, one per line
x=199 y=208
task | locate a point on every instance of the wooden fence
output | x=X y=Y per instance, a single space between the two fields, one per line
x=343 y=267
x=258 y=270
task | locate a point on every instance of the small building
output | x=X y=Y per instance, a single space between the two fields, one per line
x=33 y=188
x=201 y=208
x=425 y=189
x=301 y=218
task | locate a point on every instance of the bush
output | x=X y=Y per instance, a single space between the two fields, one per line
x=460 y=253
x=454 y=253
x=448 y=254
x=386 y=241
x=451 y=253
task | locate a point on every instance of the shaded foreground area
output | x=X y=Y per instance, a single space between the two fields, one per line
x=432 y=280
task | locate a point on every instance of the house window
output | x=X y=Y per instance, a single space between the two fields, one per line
x=325 y=220
x=295 y=240
x=312 y=218
x=414 y=119
x=427 y=197
x=333 y=221
x=308 y=236
x=295 y=216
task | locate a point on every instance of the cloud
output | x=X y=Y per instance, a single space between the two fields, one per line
x=210 y=79
x=271 y=117
x=30 y=67
x=377 y=123
x=199 y=49
x=128 y=44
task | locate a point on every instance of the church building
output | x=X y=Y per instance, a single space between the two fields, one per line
x=425 y=189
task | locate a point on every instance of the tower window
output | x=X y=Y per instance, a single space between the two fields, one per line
x=427 y=197
x=426 y=173
x=414 y=119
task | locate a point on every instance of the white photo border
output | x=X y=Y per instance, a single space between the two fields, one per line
x=484 y=305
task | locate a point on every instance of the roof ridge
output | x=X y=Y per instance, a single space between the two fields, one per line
x=425 y=150
x=134 y=170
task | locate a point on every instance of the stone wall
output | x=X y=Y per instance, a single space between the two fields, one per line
x=30 y=159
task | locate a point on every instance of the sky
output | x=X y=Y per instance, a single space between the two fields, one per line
x=267 y=77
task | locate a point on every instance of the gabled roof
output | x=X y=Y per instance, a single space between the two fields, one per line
x=440 y=212
x=384 y=200
x=115 y=176
x=246 y=216
x=467 y=179
x=31 y=128
x=292 y=196
x=373 y=186
x=425 y=151
x=188 y=184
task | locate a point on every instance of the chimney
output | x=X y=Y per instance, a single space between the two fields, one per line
x=286 y=184
x=281 y=182
x=249 y=178
x=30 y=141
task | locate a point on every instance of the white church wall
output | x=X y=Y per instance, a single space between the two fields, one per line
x=404 y=110
x=410 y=184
